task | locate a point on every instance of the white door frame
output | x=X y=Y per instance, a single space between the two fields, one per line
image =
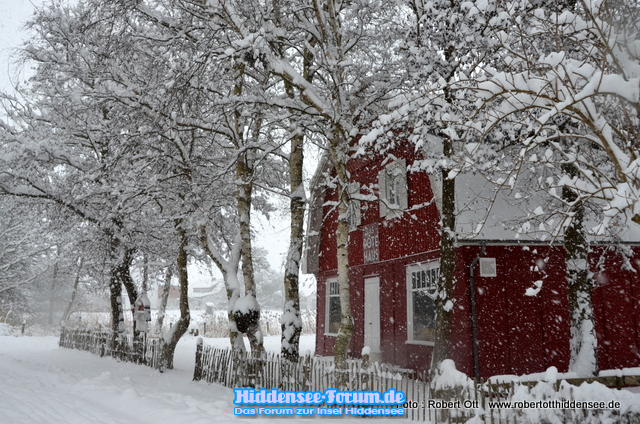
x=372 y=313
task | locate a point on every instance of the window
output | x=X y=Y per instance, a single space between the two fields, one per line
x=488 y=267
x=332 y=310
x=422 y=289
x=393 y=188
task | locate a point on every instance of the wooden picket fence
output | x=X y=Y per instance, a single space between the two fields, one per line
x=271 y=371
x=144 y=350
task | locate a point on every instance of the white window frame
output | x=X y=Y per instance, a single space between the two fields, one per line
x=332 y=291
x=488 y=267
x=392 y=181
x=430 y=272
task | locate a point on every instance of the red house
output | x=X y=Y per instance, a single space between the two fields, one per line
x=522 y=311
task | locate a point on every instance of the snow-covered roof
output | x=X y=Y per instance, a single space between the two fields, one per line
x=487 y=211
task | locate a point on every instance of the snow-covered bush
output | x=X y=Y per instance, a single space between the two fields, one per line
x=5 y=329
x=544 y=400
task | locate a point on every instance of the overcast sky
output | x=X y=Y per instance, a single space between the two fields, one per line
x=13 y=15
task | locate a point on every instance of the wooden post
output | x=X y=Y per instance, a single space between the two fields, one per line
x=365 y=372
x=308 y=366
x=197 y=372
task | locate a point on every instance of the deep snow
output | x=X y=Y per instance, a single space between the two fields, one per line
x=42 y=383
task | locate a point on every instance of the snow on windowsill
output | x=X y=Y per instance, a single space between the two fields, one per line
x=418 y=342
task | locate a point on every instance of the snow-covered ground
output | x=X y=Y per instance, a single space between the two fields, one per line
x=42 y=383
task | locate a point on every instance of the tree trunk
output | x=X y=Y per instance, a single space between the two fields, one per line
x=338 y=149
x=244 y=176
x=53 y=292
x=67 y=312
x=145 y=273
x=181 y=327
x=166 y=289
x=115 y=290
x=291 y=322
x=229 y=270
x=584 y=344
x=444 y=305
x=125 y=276
x=244 y=173
x=115 y=296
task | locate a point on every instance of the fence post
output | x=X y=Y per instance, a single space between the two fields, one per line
x=197 y=372
x=365 y=372
x=307 y=370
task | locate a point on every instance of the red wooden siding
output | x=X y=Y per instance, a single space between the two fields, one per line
x=616 y=302
x=517 y=334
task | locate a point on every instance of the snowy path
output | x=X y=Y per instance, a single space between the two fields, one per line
x=41 y=383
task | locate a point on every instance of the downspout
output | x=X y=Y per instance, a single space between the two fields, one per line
x=474 y=318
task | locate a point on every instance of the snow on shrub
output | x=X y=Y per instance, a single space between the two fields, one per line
x=5 y=329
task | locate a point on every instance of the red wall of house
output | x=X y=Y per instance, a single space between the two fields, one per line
x=402 y=241
x=616 y=304
x=393 y=312
x=518 y=334
x=412 y=234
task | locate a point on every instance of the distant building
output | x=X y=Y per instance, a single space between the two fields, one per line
x=199 y=294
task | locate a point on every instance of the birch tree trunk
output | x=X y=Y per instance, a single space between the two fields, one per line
x=291 y=322
x=244 y=173
x=182 y=325
x=229 y=270
x=339 y=153
x=165 y=298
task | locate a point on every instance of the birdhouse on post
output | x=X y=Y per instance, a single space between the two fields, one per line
x=142 y=313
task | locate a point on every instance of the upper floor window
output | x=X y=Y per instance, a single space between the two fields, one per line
x=393 y=188
x=422 y=289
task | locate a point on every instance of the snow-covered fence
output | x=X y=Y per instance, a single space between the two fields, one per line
x=309 y=373
x=458 y=399
x=142 y=350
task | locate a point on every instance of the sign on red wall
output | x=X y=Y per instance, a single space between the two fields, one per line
x=370 y=244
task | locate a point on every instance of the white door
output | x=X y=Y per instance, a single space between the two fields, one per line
x=372 y=313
